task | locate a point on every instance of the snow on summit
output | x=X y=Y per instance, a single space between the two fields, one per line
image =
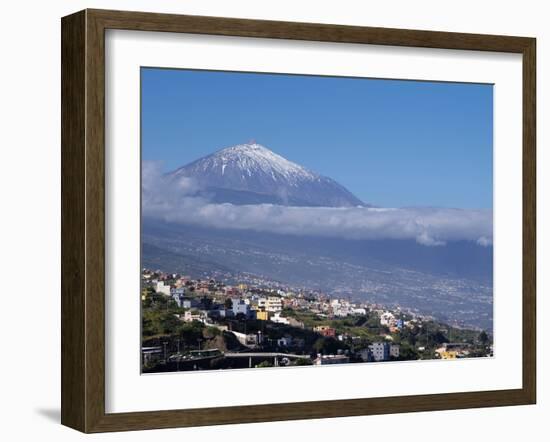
x=252 y=174
x=251 y=158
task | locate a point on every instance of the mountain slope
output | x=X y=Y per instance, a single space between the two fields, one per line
x=253 y=174
x=453 y=283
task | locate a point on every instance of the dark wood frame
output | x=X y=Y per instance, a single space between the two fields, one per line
x=83 y=217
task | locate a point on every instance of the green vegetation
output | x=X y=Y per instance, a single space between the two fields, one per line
x=264 y=364
x=162 y=326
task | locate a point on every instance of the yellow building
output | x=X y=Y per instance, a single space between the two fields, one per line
x=448 y=354
x=144 y=294
x=262 y=315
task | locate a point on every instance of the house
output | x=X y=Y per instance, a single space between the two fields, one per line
x=274 y=304
x=178 y=294
x=325 y=330
x=380 y=351
x=193 y=315
x=451 y=350
x=366 y=355
x=220 y=312
x=387 y=319
x=444 y=354
x=250 y=340
x=394 y=351
x=190 y=303
x=231 y=291
x=277 y=318
x=240 y=307
x=270 y=304
x=162 y=288
x=262 y=315
x=340 y=308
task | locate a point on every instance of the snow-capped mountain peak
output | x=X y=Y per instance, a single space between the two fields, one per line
x=253 y=158
x=251 y=173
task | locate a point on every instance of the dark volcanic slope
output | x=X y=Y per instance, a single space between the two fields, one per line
x=452 y=282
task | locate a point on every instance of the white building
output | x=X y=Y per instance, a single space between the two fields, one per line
x=270 y=304
x=394 y=350
x=383 y=351
x=194 y=315
x=387 y=319
x=340 y=308
x=250 y=340
x=276 y=317
x=163 y=288
x=380 y=351
x=240 y=306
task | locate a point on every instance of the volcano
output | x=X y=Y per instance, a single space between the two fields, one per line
x=253 y=174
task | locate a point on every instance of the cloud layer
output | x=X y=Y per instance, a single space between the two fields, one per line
x=178 y=202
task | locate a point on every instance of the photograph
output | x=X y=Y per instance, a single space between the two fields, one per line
x=236 y=220
x=304 y=220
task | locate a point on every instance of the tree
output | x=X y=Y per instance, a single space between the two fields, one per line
x=210 y=332
x=147 y=326
x=319 y=345
x=373 y=322
x=228 y=303
x=206 y=302
x=303 y=361
x=326 y=346
x=439 y=337
x=264 y=364
x=191 y=332
x=407 y=353
x=169 y=324
x=483 y=338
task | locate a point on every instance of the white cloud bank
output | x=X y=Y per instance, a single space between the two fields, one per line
x=178 y=202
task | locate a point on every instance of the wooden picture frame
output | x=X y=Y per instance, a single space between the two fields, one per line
x=83 y=220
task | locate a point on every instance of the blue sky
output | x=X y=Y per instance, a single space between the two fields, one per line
x=392 y=143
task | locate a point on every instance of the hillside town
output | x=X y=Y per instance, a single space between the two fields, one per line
x=205 y=324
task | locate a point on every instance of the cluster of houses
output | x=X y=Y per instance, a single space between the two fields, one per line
x=251 y=306
x=376 y=352
x=205 y=300
x=208 y=301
